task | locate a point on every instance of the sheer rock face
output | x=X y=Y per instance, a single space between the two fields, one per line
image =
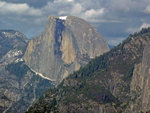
x=146 y=79
x=124 y=73
x=140 y=84
x=64 y=46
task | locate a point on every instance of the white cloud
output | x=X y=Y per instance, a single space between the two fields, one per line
x=19 y=9
x=62 y=1
x=136 y=29
x=74 y=9
x=147 y=9
x=77 y=9
x=92 y=13
x=144 y=25
x=114 y=41
x=120 y=14
x=120 y=5
x=132 y=30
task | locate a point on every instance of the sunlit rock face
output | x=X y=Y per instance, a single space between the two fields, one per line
x=66 y=44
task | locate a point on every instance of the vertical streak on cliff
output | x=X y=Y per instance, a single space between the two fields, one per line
x=63 y=47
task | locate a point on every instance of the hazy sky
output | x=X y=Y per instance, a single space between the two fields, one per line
x=114 y=19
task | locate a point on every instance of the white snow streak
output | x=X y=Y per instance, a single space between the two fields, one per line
x=41 y=75
x=63 y=17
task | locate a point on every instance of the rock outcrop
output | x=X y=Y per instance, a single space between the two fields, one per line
x=66 y=44
x=10 y=39
x=19 y=85
x=140 y=84
x=116 y=82
x=146 y=79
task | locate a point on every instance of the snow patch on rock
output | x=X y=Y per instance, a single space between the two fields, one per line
x=41 y=75
x=19 y=60
x=14 y=53
x=63 y=17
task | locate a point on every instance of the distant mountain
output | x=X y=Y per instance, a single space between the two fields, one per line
x=19 y=85
x=66 y=44
x=29 y=67
x=10 y=39
x=116 y=82
x=111 y=46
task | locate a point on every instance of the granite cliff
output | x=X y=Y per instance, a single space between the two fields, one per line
x=66 y=44
x=116 y=82
x=140 y=84
x=30 y=67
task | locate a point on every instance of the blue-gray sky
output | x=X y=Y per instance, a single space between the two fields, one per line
x=114 y=19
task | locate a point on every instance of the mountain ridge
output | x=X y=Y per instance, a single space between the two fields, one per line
x=20 y=86
x=64 y=45
x=103 y=85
